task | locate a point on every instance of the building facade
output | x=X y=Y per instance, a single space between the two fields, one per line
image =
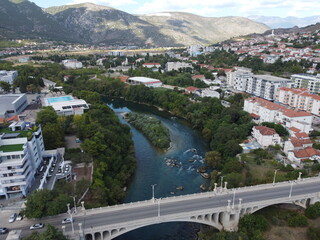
x=299 y=98
x=20 y=157
x=149 y=82
x=12 y=104
x=72 y=63
x=170 y=66
x=8 y=76
x=265 y=111
x=265 y=136
x=310 y=82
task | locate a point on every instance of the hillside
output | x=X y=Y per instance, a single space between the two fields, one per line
x=94 y=24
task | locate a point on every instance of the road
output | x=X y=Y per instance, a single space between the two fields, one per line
x=168 y=206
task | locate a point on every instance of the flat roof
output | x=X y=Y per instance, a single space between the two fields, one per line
x=272 y=78
x=144 y=79
x=11 y=148
x=9 y=98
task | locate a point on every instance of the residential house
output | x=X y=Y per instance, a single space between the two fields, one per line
x=266 y=136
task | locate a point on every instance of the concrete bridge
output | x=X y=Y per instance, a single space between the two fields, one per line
x=221 y=208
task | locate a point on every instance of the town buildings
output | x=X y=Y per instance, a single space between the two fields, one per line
x=299 y=98
x=72 y=63
x=170 y=66
x=149 y=82
x=8 y=76
x=265 y=111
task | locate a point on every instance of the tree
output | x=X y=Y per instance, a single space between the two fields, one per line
x=5 y=86
x=47 y=115
x=213 y=159
x=51 y=233
x=313 y=211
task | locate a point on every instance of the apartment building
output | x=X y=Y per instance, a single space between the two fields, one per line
x=265 y=111
x=72 y=63
x=264 y=86
x=21 y=153
x=170 y=66
x=299 y=98
x=310 y=82
x=265 y=136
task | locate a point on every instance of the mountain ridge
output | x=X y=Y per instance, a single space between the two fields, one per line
x=96 y=24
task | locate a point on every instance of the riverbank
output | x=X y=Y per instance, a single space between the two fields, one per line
x=152 y=128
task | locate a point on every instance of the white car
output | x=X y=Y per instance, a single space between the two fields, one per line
x=36 y=226
x=67 y=220
x=12 y=218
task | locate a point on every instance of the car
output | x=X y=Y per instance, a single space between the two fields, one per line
x=67 y=220
x=51 y=169
x=3 y=230
x=78 y=140
x=19 y=217
x=12 y=217
x=59 y=170
x=37 y=226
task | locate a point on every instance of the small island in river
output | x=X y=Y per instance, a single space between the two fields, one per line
x=152 y=128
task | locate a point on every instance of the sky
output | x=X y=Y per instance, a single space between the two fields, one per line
x=208 y=8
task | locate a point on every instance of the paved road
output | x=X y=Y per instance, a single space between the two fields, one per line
x=168 y=206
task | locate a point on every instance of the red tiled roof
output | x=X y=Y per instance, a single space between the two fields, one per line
x=294 y=129
x=254 y=115
x=273 y=106
x=197 y=76
x=123 y=78
x=306 y=153
x=300 y=142
x=301 y=135
x=191 y=89
x=265 y=130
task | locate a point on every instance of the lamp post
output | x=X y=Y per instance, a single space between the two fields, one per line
x=159 y=207
x=221 y=182
x=74 y=204
x=153 y=185
x=69 y=212
x=234 y=196
x=274 y=176
x=300 y=173
x=290 y=193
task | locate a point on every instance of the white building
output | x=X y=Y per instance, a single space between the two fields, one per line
x=66 y=105
x=265 y=136
x=8 y=76
x=72 y=63
x=310 y=82
x=170 y=66
x=239 y=71
x=12 y=104
x=298 y=156
x=299 y=98
x=151 y=65
x=265 y=111
x=149 y=82
x=20 y=157
x=207 y=92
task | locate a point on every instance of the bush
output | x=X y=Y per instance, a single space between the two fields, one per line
x=313 y=211
x=298 y=221
x=313 y=233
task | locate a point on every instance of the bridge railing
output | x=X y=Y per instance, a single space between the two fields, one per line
x=198 y=195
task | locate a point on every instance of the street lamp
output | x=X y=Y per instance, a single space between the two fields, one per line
x=74 y=204
x=70 y=213
x=159 y=207
x=274 y=176
x=221 y=183
x=234 y=196
x=153 y=185
x=290 y=193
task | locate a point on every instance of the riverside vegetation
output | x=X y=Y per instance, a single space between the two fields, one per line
x=152 y=128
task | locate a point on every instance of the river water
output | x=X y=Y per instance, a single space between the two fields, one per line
x=187 y=151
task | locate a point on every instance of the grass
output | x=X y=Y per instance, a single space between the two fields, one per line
x=11 y=148
x=22 y=133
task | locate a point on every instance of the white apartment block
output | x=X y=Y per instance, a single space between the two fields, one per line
x=310 y=82
x=170 y=66
x=266 y=111
x=20 y=157
x=299 y=98
x=72 y=63
x=8 y=76
x=264 y=86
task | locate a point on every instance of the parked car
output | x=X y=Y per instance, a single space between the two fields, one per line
x=12 y=217
x=67 y=220
x=3 y=230
x=36 y=226
x=19 y=217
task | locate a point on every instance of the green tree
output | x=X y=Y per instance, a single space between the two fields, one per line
x=47 y=115
x=313 y=211
x=51 y=233
x=213 y=159
x=6 y=87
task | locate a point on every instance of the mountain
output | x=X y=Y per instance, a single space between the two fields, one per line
x=295 y=29
x=94 y=24
x=24 y=19
x=287 y=22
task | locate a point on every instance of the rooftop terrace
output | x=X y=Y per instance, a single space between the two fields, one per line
x=11 y=148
